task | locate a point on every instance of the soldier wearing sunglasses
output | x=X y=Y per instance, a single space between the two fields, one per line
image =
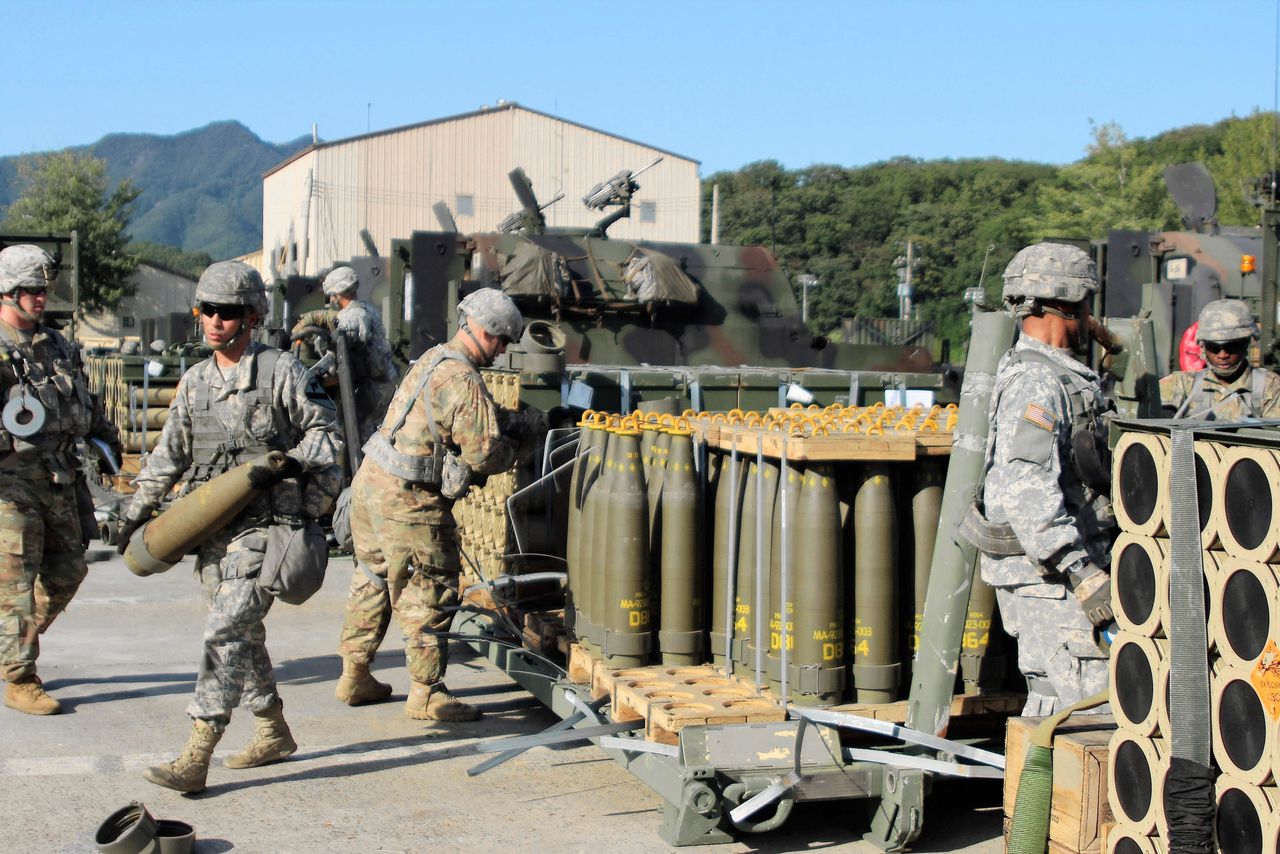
x=1229 y=388
x=240 y=403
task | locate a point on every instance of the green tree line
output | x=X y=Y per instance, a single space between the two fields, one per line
x=847 y=225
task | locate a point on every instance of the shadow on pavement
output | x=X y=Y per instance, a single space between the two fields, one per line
x=169 y=683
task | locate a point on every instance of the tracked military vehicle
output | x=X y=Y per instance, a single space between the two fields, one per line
x=610 y=308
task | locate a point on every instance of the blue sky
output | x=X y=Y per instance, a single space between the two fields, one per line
x=726 y=83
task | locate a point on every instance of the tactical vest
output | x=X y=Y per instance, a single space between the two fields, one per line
x=214 y=452
x=426 y=469
x=1200 y=401
x=1088 y=455
x=56 y=383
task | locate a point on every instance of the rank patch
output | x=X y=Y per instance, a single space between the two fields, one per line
x=1041 y=417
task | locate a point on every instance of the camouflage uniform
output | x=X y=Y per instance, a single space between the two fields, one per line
x=373 y=371
x=406 y=549
x=1232 y=400
x=41 y=542
x=290 y=413
x=1208 y=396
x=1058 y=520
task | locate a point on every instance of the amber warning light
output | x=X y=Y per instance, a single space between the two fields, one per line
x=1248 y=263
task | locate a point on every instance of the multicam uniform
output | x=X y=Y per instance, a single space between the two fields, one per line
x=216 y=423
x=41 y=542
x=1205 y=396
x=1034 y=485
x=405 y=547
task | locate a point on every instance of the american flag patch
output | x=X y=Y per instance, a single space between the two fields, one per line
x=1041 y=417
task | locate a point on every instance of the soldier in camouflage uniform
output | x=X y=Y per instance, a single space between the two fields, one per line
x=42 y=542
x=1229 y=388
x=243 y=401
x=442 y=430
x=1044 y=520
x=373 y=371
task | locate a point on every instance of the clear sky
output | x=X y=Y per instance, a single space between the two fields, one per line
x=726 y=83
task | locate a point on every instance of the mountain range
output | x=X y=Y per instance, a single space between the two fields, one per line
x=201 y=189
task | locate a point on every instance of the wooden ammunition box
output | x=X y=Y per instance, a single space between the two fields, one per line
x=1079 y=808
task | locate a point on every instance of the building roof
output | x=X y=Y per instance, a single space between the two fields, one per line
x=507 y=105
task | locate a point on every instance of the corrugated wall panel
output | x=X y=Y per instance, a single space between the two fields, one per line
x=387 y=183
x=283 y=194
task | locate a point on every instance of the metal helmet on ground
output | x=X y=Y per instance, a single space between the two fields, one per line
x=232 y=283
x=1050 y=271
x=493 y=311
x=26 y=266
x=339 y=281
x=1226 y=320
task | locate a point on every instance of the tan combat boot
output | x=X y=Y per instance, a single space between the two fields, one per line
x=357 y=685
x=435 y=703
x=27 y=695
x=271 y=742
x=187 y=773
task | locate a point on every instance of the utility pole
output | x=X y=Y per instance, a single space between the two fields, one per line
x=806 y=281
x=905 y=266
x=715 y=214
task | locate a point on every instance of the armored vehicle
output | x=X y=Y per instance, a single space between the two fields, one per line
x=618 y=305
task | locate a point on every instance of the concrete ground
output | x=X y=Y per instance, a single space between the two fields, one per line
x=122 y=661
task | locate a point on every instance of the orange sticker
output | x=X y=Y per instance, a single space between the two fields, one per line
x=1266 y=679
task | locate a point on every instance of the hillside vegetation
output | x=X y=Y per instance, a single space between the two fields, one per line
x=201 y=191
x=847 y=225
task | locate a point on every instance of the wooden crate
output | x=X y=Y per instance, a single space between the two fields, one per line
x=1055 y=847
x=1079 y=808
x=543 y=631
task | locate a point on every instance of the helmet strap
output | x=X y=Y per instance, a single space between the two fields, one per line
x=8 y=300
x=476 y=341
x=1056 y=312
x=230 y=342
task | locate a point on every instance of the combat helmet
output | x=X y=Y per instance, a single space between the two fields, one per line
x=493 y=311
x=1226 y=320
x=232 y=283
x=339 y=281
x=1049 y=271
x=26 y=266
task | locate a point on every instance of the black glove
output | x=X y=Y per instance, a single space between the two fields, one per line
x=1092 y=586
x=124 y=530
x=265 y=477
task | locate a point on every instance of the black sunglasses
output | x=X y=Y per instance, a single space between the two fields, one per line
x=226 y=312
x=35 y=291
x=1231 y=347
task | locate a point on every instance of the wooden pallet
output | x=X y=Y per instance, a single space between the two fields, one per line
x=581 y=665
x=669 y=699
x=962 y=705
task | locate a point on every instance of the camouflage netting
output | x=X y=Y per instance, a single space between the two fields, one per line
x=654 y=277
x=533 y=272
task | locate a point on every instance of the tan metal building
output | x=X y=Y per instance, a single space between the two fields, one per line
x=158 y=295
x=316 y=203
